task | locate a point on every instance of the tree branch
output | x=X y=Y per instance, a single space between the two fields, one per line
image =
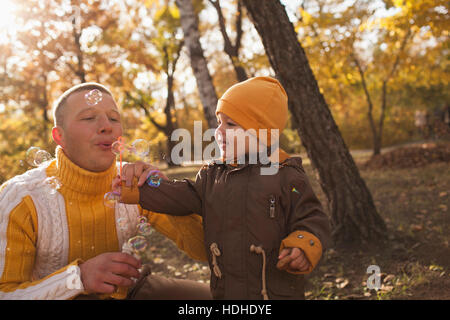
x=407 y=36
x=366 y=92
x=228 y=46
x=147 y=113
x=239 y=30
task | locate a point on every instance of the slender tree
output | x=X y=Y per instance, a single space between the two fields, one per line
x=354 y=217
x=207 y=92
x=232 y=50
x=168 y=46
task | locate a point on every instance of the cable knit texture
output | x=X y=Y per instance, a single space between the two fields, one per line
x=42 y=233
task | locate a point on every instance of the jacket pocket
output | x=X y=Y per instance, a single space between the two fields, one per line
x=217 y=286
x=282 y=284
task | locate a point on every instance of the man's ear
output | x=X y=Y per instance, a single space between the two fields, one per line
x=58 y=135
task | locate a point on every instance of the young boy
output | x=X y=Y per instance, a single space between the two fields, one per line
x=263 y=232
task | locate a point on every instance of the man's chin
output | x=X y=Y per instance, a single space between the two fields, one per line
x=102 y=163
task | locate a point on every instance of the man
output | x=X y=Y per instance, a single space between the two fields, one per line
x=66 y=244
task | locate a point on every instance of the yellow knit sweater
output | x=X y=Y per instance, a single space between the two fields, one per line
x=42 y=235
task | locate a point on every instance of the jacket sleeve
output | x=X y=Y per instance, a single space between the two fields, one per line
x=18 y=238
x=308 y=225
x=175 y=197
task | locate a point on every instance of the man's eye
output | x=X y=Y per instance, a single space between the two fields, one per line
x=231 y=124
x=88 y=118
x=114 y=119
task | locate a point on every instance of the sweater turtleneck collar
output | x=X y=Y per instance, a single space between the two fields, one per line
x=79 y=183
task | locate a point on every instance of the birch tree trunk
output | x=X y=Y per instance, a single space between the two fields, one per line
x=354 y=217
x=207 y=92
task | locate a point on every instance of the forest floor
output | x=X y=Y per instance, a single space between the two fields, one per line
x=411 y=189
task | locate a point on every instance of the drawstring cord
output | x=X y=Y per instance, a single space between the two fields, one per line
x=256 y=249
x=260 y=250
x=215 y=253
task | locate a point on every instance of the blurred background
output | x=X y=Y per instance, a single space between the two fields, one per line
x=386 y=58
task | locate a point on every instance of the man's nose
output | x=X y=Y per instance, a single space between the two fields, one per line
x=105 y=124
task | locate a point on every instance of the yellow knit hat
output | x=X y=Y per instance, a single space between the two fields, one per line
x=256 y=103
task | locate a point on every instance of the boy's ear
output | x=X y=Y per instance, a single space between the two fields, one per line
x=58 y=135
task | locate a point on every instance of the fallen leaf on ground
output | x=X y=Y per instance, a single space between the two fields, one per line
x=389 y=278
x=386 y=288
x=343 y=284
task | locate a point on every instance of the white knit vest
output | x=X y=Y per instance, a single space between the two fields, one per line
x=52 y=248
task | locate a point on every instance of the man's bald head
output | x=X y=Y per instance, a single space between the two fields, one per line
x=60 y=104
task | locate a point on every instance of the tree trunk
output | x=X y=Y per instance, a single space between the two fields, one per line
x=207 y=92
x=170 y=105
x=354 y=217
x=232 y=50
x=376 y=136
x=80 y=73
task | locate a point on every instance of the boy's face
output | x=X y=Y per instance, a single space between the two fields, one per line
x=233 y=140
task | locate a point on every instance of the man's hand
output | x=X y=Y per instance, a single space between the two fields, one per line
x=293 y=260
x=104 y=272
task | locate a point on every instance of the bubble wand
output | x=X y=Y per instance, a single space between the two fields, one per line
x=121 y=148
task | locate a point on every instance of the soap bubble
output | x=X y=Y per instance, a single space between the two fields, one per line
x=120 y=148
x=142 y=219
x=53 y=183
x=140 y=147
x=31 y=154
x=154 y=178
x=35 y=156
x=117 y=147
x=110 y=199
x=93 y=97
x=144 y=229
x=127 y=248
x=122 y=223
x=138 y=243
x=41 y=156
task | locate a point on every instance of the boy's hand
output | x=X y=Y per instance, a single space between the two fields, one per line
x=293 y=260
x=139 y=170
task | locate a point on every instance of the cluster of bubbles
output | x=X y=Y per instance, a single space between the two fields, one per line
x=137 y=244
x=139 y=148
x=111 y=198
x=93 y=97
x=36 y=157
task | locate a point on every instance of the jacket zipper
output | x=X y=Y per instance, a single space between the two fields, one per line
x=272 y=207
